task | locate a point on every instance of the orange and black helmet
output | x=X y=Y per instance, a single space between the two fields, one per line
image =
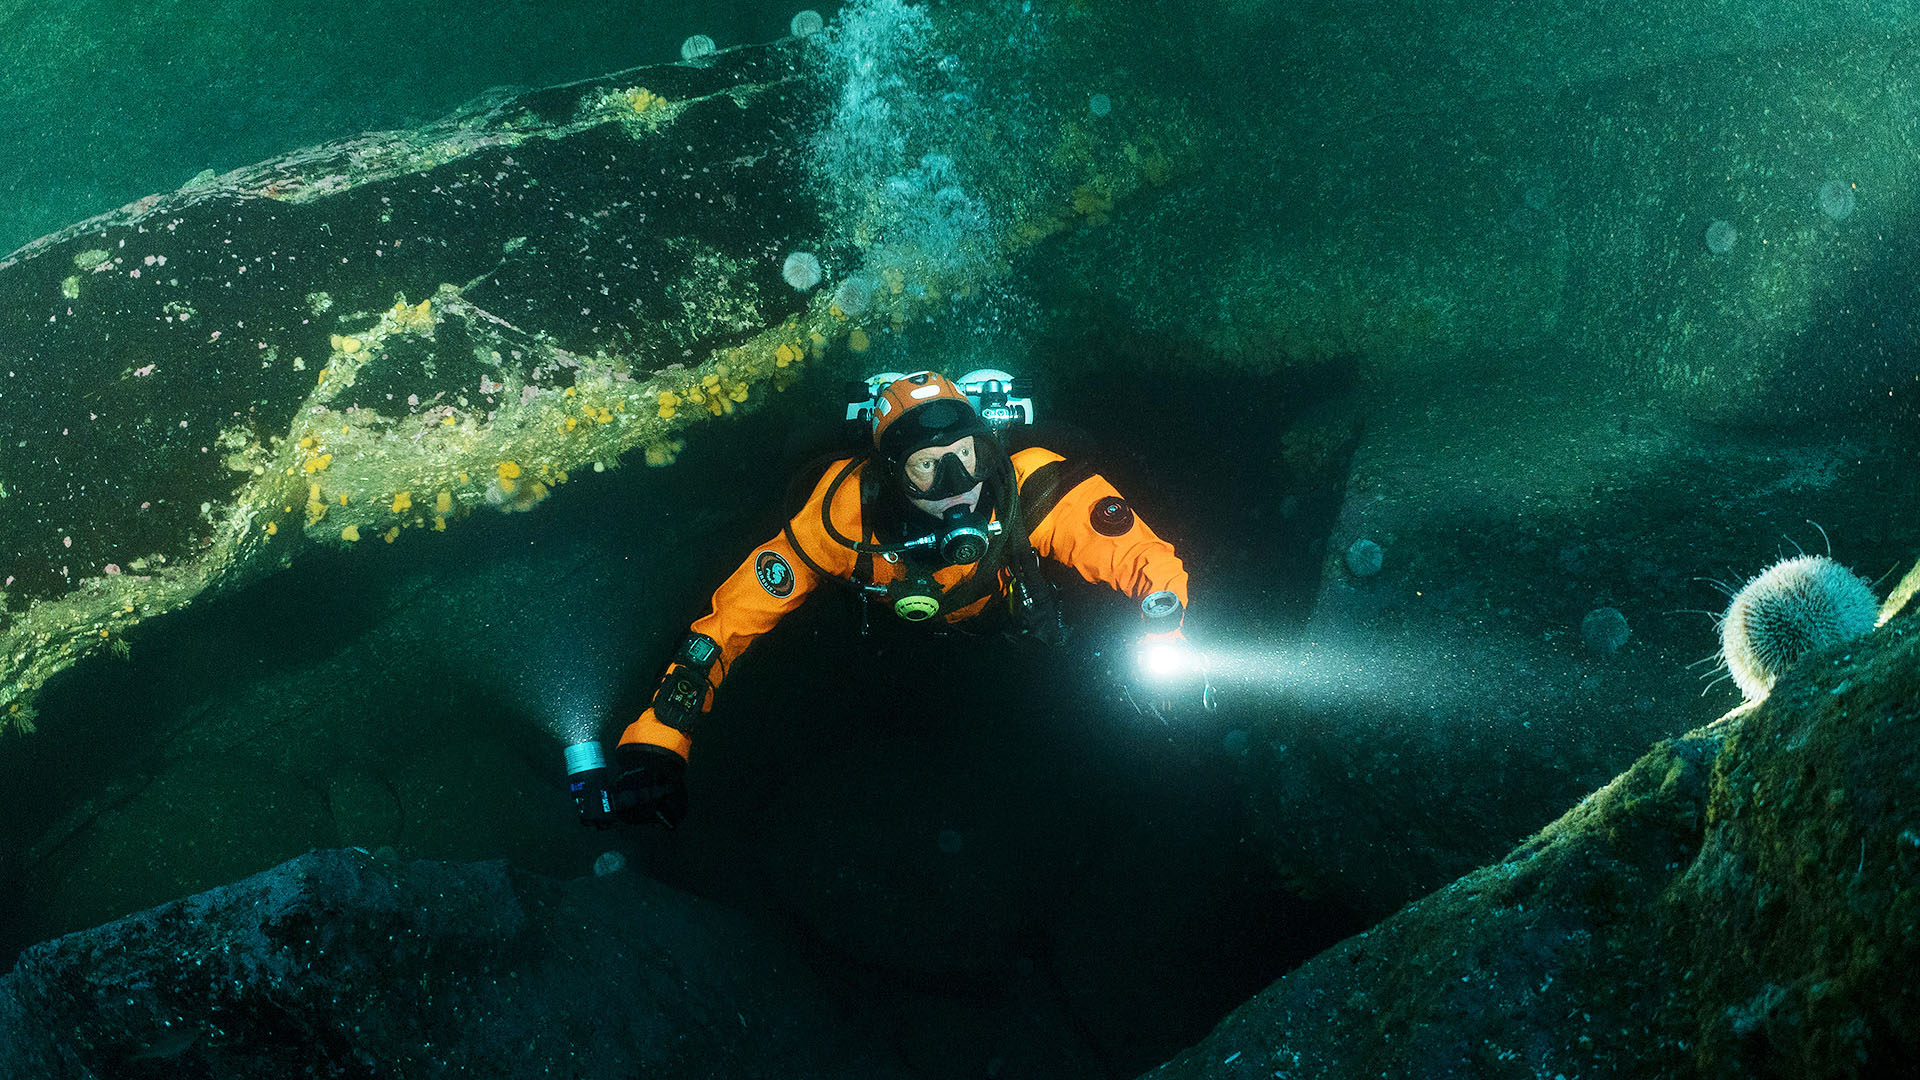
x=921 y=410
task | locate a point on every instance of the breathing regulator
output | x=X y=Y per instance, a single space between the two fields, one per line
x=1002 y=401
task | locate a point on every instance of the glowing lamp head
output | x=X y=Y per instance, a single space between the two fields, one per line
x=1173 y=675
x=1164 y=659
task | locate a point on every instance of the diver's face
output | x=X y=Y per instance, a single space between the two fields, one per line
x=922 y=470
x=921 y=465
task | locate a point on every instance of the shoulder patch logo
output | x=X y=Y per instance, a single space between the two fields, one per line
x=1112 y=516
x=774 y=574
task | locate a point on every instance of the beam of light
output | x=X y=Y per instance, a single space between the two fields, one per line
x=572 y=672
x=1163 y=660
x=561 y=659
x=1171 y=676
x=1349 y=670
x=575 y=709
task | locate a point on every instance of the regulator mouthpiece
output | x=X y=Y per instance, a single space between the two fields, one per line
x=962 y=537
x=964 y=540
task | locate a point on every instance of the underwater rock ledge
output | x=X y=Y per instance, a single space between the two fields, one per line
x=341 y=963
x=386 y=333
x=1740 y=902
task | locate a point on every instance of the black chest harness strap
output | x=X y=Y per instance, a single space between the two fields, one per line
x=1011 y=549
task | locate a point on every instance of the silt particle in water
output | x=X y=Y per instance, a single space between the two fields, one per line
x=1721 y=236
x=1837 y=199
x=806 y=23
x=697 y=48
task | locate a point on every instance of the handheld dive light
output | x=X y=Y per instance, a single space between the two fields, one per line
x=1172 y=669
x=1162 y=657
x=587 y=780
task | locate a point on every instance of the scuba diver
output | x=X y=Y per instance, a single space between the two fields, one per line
x=937 y=523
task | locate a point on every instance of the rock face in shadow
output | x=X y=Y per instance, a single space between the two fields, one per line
x=338 y=963
x=1461 y=181
x=1740 y=902
x=1441 y=708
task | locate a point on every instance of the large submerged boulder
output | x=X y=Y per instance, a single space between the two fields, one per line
x=1516 y=598
x=1740 y=902
x=343 y=963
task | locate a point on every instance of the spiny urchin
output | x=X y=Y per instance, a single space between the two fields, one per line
x=801 y=270
x=1788 y=610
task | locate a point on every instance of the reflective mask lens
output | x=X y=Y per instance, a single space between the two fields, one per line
x=950 y=478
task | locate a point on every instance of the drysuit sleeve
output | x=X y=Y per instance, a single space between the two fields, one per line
x=772 y=581
x=1095 y=531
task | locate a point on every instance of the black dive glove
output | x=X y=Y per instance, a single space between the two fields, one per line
x=651 y=786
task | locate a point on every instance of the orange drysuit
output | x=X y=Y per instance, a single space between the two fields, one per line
x=1089 y=529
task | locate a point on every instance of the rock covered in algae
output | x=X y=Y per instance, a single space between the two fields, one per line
x=1740 y=902
x=388 y=332
x=370 y=336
